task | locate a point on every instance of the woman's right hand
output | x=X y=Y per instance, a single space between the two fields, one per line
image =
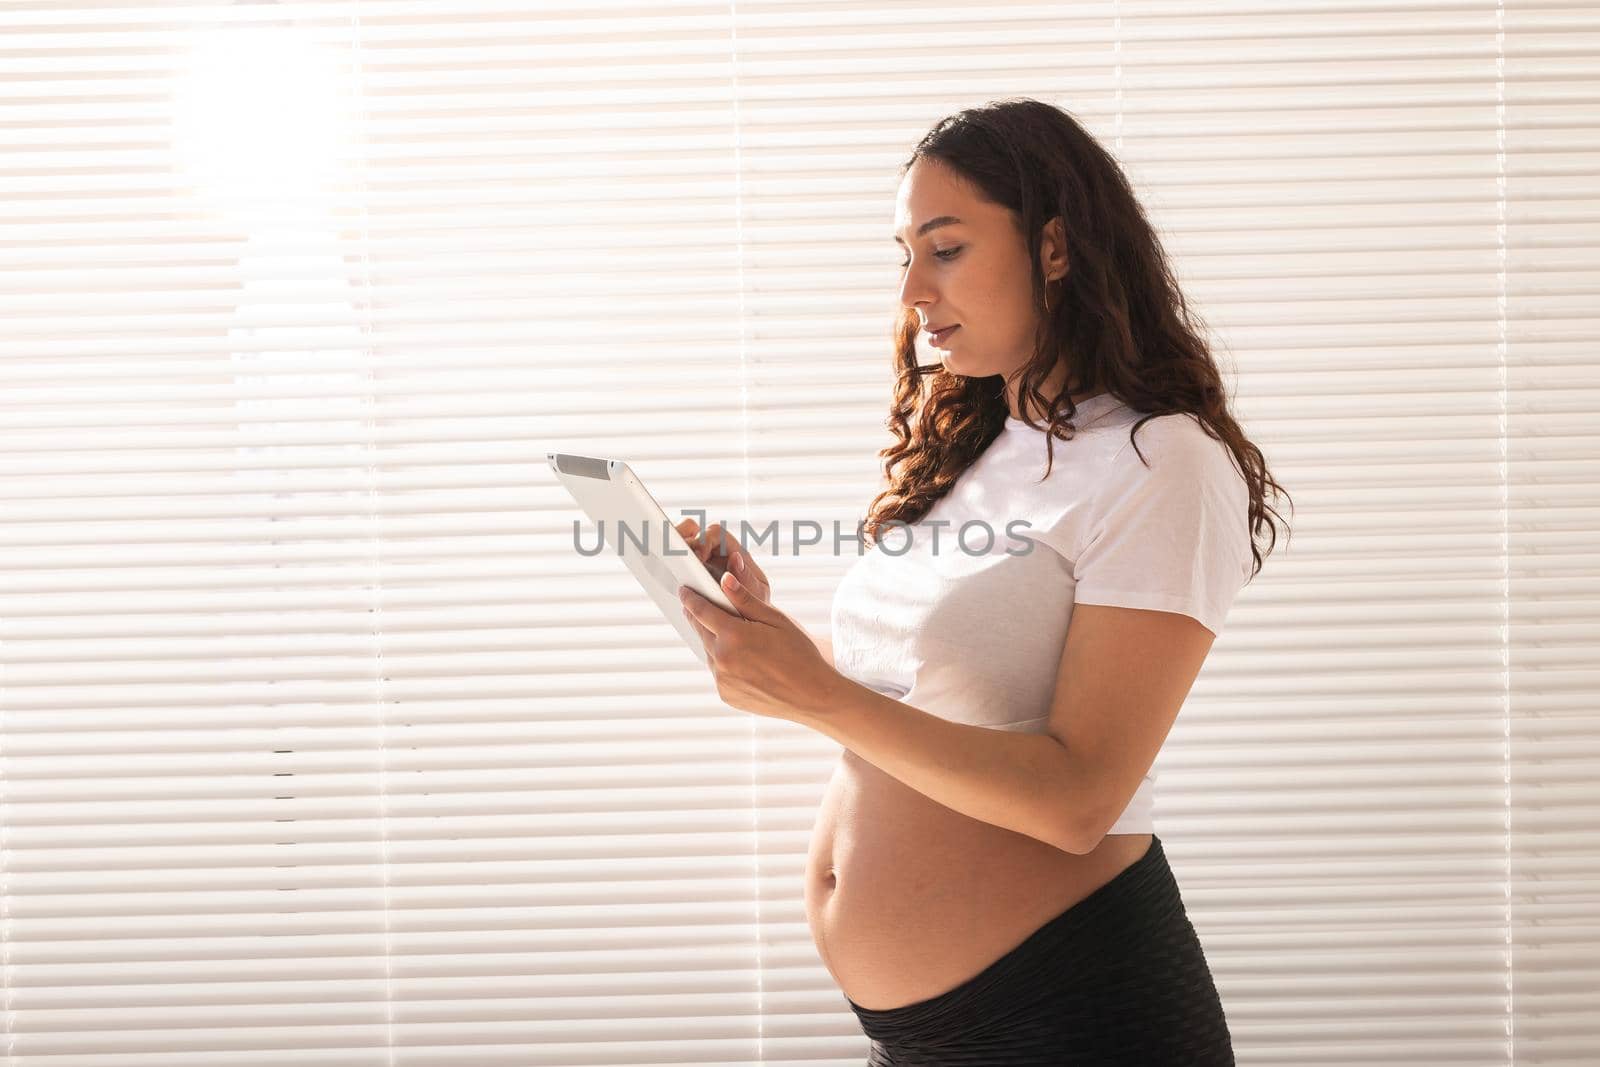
x=721 y=552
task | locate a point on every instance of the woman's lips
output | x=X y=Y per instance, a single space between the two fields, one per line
x=940 y=337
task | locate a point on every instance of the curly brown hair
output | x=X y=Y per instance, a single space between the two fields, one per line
x=1118 y=318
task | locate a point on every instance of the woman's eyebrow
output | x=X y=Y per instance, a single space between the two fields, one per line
x=933 y=224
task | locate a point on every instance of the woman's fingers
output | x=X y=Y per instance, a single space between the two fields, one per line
x=718 y=541
x=704 y=545
x=696 y=541
x=721 y=552
x=718 y=550
x=756 y=580
x=746 y=570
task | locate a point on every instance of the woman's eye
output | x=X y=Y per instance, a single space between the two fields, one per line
x=948 y=253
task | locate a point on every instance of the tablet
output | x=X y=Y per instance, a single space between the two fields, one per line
x=626 y=515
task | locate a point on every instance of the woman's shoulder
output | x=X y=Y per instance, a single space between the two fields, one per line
x=1173 y=449
x=1173 y=431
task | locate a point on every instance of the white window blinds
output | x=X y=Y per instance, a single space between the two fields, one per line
x=315 y=743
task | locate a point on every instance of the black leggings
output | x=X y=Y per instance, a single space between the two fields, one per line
x=1118 y=978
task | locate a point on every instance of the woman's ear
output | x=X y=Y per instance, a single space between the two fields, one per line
x=1053 y=250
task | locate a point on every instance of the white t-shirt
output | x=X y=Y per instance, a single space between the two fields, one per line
x=970 y=624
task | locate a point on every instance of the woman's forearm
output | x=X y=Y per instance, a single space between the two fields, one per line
x=825 y=646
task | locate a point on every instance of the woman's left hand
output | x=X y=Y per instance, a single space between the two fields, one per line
x=763 y=663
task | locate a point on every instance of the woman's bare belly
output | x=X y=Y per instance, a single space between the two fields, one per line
x=907 y=898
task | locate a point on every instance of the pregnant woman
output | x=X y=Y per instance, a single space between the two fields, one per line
x=1068 y=517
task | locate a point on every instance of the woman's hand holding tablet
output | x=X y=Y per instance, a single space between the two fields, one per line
x=722 y=553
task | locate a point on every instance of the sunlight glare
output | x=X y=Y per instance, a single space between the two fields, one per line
x=262 y=118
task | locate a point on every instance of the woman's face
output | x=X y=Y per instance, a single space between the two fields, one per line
x=972 y=273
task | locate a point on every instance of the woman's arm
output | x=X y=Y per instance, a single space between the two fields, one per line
x=825 y=646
